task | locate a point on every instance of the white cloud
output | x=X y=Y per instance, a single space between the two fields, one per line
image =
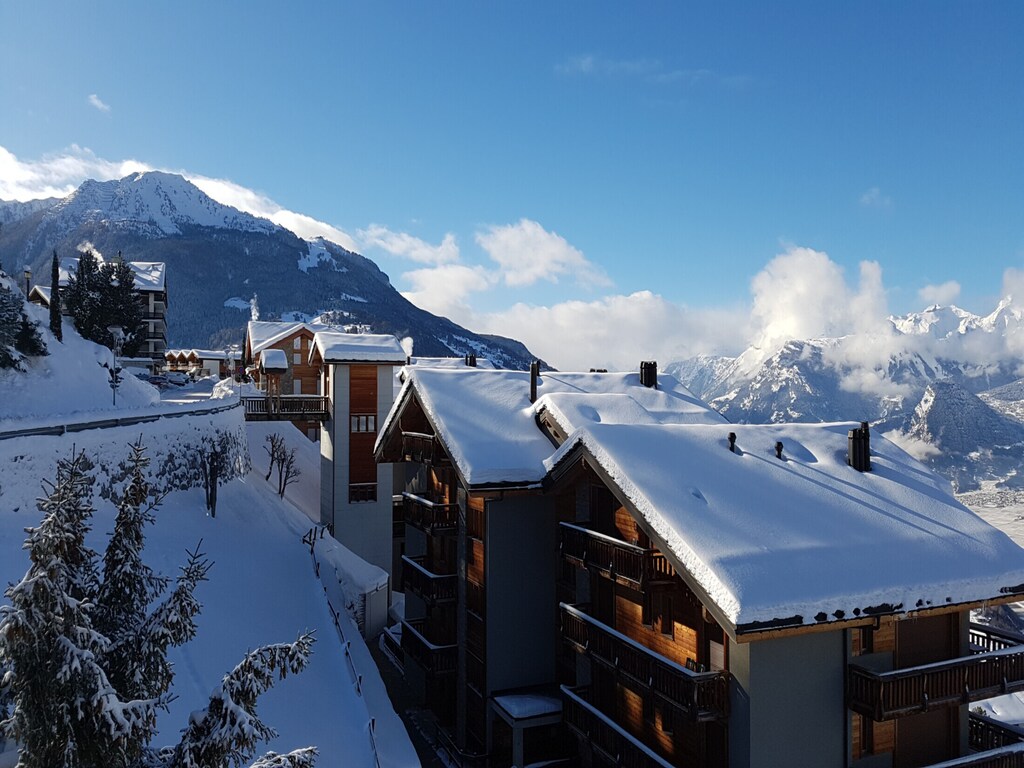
x=943 y=294
x=649 y=70
x=404 y=244
x=97 y=102
x=874 y=198
x=526 y=252
x=919 y=449
x=1013 y=283
x=616 y=332
x=443 y=289
x=58 y=174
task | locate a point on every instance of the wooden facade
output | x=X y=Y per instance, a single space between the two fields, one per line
x=301 y=382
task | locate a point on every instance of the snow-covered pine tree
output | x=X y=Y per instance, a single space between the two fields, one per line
x=56 y=326
x=28 y=341
x=83 y=298
x=227 y=731
x=121 y=304
x=66 y=712
x=10 y=325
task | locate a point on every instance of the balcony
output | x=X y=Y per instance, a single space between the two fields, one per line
x=702 y=696
x=985 y=734
x=434 y=659
x=423 y=449
x=623 y=562
x=428 y=516
x=608 y=743
x=286 y=408
x=431 y=588
x=886 y=695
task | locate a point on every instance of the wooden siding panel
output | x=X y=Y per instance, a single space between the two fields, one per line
x=681 y=645
x=362 y=388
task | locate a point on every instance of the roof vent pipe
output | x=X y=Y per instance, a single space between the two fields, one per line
x=778 y=449
x=649 y=373
x=534 y=375
x=858 y=452
x=732 y=442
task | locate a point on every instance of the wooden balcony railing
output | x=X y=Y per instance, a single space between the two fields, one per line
x=423 y=448
x=430 y=587
x=288 y=407
x=985 y=638
x=476 y=598
x=984 y=733
x=428 y=516
x=701 y=696
x=1003 y=757
x=619 y=560
x=434 y=659
x=885 y=695
x=606 y=741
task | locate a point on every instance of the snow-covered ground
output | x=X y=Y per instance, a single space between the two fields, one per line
x=262 y=589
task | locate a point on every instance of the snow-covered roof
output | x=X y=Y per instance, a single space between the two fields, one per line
x=336 y=347
x=488 y=425
x=448 y=362
x=264 y=333
x=805 y=538
x=274 y=360
x=149 y=275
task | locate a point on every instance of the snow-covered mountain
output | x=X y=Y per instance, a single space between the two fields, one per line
x=961 y=436
x=217 y=257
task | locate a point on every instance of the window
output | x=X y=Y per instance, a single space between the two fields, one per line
x=297 y=344
x=365 y=422
x=666 y=614
x=360 y=492
x=297 y=358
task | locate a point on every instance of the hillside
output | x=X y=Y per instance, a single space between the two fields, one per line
x=217 y=257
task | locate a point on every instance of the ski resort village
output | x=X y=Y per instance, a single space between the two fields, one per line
x=511 y=385
x=314 y=545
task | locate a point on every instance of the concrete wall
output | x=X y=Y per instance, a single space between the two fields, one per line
x=521 y=554
x=365 y=527
x=788 y=702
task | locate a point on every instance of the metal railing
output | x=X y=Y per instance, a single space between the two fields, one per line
x=619 y=560
x=123 y=421
x=606 y=740
x=700 y=696
x=428 y=516
x=430 y=587
x=885 y=695
x=436 y=659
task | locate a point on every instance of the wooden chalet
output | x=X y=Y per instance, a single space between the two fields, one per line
x=297 y=394
x=601 y=556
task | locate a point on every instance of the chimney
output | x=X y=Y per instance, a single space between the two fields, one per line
x=858 y=451
x=778 y=449
x=471 y=360
x=534 y=375
x=649 y=373
x=732 y=442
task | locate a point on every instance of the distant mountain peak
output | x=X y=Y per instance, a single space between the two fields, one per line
x=154 y=204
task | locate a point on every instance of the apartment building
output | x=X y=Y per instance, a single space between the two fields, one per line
x=604 y=554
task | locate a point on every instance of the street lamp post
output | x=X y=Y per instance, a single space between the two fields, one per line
x=117 y=333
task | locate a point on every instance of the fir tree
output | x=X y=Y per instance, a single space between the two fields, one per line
x=227 y=731
x=56 y=326
x=10 y=326
x=121 y=304
x=28 y=341
x=66 y=712
x=84 y=297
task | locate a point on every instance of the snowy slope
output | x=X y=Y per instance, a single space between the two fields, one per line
x=262 y=589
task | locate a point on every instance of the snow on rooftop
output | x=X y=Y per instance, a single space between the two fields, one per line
x=488 y=424
x=274 y=360
x=448 y=362
x=334 y=346
x=770 y=539
x=263 y=333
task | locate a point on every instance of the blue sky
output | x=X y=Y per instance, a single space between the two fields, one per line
x=502 y=161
